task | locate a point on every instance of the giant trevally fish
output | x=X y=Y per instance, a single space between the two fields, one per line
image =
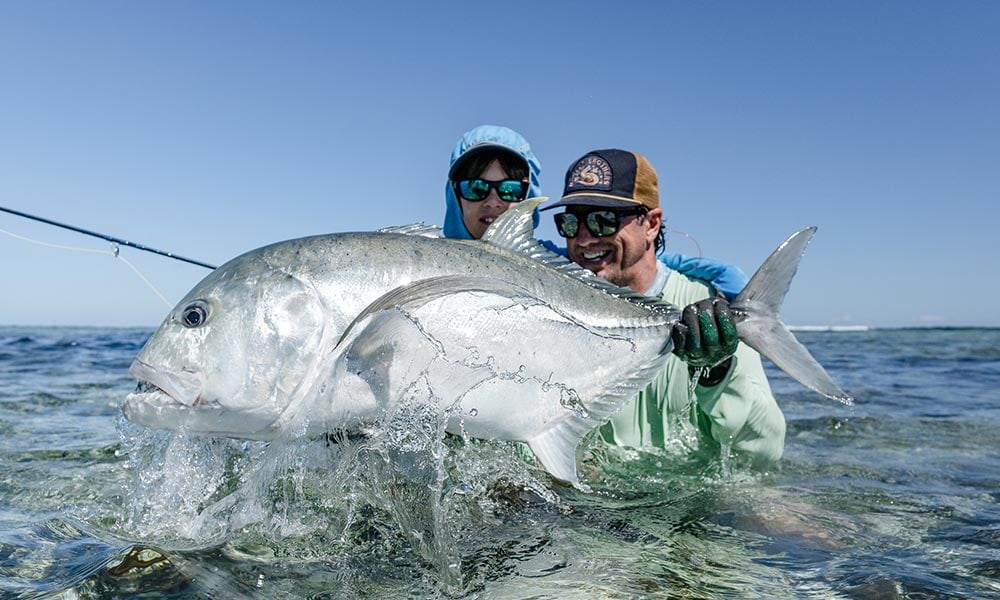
x=327 y=333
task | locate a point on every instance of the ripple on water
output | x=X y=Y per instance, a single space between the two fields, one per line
x=895 y=497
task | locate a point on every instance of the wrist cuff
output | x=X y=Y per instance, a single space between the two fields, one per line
x=716 y=374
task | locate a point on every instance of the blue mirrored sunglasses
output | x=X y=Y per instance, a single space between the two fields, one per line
x=508 y=190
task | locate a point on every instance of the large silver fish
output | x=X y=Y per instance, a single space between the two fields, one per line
x=327 y=333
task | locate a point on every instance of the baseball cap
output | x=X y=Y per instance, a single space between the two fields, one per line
x=610 y=178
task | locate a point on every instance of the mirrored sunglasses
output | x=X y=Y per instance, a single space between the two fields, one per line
x=601 y=222
x=508 y=190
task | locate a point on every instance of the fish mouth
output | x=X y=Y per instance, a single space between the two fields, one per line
x=159 y=384
x=152 y=407
x=171 y=399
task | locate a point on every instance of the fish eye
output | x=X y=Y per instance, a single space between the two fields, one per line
x=194 y=315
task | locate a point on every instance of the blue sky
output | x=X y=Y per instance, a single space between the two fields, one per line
x=209 y=129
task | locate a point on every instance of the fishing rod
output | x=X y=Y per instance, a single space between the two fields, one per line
x=107 y=238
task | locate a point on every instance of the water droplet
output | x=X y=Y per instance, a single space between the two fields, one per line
x=569 y=399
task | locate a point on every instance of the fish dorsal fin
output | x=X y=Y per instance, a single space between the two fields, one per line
x=568 y=267
x=514 y=231
x=515 y=228
x=624 y=293
x=419 y=229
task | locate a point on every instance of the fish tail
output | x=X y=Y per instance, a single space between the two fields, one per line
x=757 y=308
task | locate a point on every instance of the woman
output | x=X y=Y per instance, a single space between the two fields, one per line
x=493 y=155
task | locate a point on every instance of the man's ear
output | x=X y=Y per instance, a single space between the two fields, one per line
x=654 y=220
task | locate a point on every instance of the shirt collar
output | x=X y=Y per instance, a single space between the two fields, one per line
x=655 y=289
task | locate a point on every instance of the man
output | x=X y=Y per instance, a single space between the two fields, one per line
x=613 y=227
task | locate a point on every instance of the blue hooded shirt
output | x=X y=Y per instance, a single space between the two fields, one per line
x=728 y=279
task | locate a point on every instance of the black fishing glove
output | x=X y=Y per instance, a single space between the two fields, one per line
x=706 y=337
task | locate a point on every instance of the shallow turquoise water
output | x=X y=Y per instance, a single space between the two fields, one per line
x=896 y=497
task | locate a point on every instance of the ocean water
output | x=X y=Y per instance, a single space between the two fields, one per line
x=895 y=497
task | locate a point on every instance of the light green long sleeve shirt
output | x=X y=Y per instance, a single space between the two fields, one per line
x=740 y=412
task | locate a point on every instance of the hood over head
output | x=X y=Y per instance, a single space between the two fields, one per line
x=474 y=140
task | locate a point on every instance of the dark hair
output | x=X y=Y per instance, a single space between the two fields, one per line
x=513 y=164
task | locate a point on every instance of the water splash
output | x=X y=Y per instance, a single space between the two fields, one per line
x=405 y=479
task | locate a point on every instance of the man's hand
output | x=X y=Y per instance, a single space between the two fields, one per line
x=706 y=334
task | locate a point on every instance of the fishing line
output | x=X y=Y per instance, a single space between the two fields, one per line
x=667 y=230
x=688 y=236
x=113 y=253
x=115 y=242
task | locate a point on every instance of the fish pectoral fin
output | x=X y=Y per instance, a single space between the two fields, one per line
x=387 y=324
x=391 y=353
x=556 y=448
x=412 y=296
x=386 y=350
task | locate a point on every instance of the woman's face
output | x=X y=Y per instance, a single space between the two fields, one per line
x=478 y=215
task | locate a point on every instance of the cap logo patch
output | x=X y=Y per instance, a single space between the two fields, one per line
x=590 y=172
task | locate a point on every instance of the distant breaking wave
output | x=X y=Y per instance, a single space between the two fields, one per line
x=829 y=327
